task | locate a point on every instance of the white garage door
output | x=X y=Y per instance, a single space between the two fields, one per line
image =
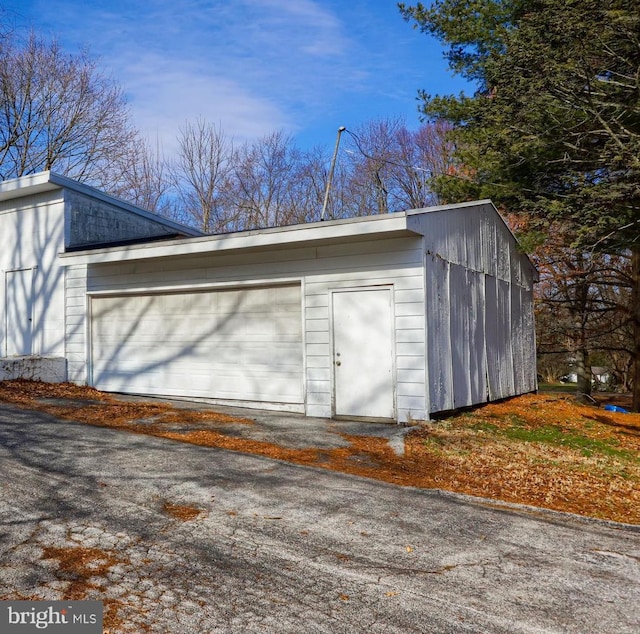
x=240 y=344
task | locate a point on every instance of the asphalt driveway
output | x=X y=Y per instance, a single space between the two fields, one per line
x=274 y=547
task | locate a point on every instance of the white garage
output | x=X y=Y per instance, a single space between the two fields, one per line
x=392 y=317
x=389 y=317
x=230 y=344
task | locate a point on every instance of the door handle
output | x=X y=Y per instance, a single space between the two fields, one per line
x=338 y=362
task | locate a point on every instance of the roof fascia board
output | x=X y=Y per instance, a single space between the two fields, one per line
x=390 y=225
x=471 y=203
x=26 y=186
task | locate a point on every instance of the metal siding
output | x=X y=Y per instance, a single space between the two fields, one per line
x=498 y=339
x=517 y=340
x=524 y=340
x=489 y=249
x=468 y=336
x=439 y=351
x=478 y=362
x=460 y=298
x=505 y=340
x=473 y=238
x=530 y=341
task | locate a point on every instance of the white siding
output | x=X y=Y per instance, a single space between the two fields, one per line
x=479 y=308
x=76 y=323
x=439 y=345
x=394 y=262
x=31 y=236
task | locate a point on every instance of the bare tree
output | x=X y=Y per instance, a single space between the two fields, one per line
x=58 y=112
x=145 y=180
x=423 y=154
x=390 y=167
x=310 y=181
x=201 y=175
x=264 y=177
x=371 y=161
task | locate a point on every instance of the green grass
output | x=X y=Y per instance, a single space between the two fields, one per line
x=555 y=435
x=557 y=388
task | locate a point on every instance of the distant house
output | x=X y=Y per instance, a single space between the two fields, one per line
x=390 y=317
x=600 y=376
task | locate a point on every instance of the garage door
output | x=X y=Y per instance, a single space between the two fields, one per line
x=240 y=344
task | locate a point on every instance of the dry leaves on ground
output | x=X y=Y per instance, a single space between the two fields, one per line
x=540 y=450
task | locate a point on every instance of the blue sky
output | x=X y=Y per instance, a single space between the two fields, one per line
x=251 y=66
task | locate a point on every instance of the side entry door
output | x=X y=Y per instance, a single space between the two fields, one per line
x=19 y=312
x=363 y=353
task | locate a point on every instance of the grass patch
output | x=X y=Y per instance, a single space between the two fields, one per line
x=555 y=435
x=558 y=388
x=515 y=427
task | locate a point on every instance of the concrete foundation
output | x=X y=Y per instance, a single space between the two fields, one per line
x=49 y=369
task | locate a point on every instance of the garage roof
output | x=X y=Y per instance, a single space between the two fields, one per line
x=382 y=226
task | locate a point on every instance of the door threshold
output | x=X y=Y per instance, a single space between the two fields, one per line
x=366 y=419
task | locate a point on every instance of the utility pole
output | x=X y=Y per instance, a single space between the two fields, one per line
x=341 y=129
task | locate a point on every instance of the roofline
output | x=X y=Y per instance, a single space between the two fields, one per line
x=477 y=203
x=389 y=225
x=364 y=227
x=449 y=206
x=50 y=181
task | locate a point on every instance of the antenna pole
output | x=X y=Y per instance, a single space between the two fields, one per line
x=341 y=129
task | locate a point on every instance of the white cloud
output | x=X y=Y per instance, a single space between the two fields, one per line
x=167 y=94
x=252 y=66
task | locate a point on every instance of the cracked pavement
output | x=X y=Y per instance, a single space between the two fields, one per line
x=275 y=547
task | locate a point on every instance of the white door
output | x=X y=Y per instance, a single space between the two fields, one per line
x=19 y=315
x=240 y=344
x=363 y=353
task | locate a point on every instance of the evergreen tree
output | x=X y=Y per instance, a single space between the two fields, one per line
x=554 y=126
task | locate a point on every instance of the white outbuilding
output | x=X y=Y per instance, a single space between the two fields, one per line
x=392 y=317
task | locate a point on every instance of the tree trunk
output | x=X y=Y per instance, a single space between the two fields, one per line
x=583 y=364
x=635 y=315
x=583 y=372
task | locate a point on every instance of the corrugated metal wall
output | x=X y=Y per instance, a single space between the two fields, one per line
x=479 y=308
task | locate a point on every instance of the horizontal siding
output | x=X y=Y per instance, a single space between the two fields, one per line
x=395 y=262
x=316 y=337
x=75 y=323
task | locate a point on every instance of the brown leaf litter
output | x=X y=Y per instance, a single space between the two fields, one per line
x=541 y=450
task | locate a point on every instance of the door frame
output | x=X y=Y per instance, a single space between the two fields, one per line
x=394 y=374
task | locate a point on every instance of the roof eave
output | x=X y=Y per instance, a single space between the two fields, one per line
x=314 y=234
